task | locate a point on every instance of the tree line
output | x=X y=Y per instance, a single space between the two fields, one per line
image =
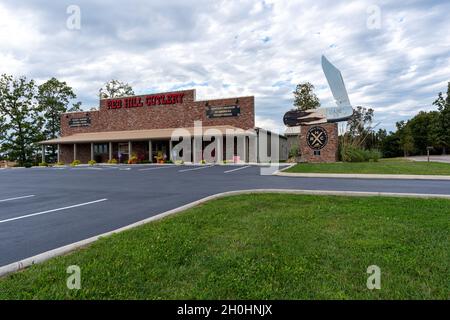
x=30 y=113
x=426 y=130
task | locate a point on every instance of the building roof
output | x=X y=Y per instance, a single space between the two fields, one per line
x=133 y=135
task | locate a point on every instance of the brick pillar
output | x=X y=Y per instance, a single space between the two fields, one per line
x=319 y=142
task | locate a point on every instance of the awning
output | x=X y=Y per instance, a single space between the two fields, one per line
x=134 y=135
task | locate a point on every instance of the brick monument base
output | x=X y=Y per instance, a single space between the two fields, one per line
x=319 y=142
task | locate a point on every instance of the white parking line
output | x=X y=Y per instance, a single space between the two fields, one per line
x=232 y=170
x=17 y=198
x=52 y=210
x=147 y=169
x=198 y=168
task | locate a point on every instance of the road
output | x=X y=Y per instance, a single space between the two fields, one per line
x=45 y=208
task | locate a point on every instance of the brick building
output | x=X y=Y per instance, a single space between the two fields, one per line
x=143 y=126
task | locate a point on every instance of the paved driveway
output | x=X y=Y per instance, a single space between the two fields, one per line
x=445 y=159
x=45 y=208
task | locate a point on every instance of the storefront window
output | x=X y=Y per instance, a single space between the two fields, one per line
x=101 y=148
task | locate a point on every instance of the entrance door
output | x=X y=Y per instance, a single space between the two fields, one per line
x=101 y=152
x=123 y=153
x=160 y=150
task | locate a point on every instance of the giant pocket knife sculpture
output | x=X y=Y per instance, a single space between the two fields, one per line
x=342 y=112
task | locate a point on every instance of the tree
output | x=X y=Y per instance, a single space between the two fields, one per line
x=22 y=121
x=390 y=145
x=444 y=119
x=305 y=98
x=115 y=89
x=361 y=121
x=54 y=97
x=406 y=138
x=423 y=129
x=377 y=139
x=359 y=128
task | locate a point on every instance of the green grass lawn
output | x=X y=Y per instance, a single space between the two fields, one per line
x=384 y=166
x=266 y=246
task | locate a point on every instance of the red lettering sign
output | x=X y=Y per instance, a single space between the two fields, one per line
x=150 y=100
x=133 y=102
x=114 y=104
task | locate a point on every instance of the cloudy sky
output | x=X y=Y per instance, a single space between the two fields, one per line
x=394 y=55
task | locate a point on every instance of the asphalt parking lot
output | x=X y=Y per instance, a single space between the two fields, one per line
x=45 y=208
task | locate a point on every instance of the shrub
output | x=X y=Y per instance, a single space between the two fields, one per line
x=26 y=164
x=75 y=163
x=355 y=154
x=43 y=164
x=133 y=160
x=92 y=162
x=112 y=161
x=60 y=163
x=169 y=161
x=352 y=154
x=293 y=152
x=159 y=157
x=203 y=162
x=375 y=155
x=146 y=161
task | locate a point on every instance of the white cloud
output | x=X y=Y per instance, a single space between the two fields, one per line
x=231 y=48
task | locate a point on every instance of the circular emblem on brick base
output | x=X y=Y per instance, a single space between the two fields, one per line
x=317 y=138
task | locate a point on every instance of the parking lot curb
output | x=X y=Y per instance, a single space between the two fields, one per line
x=361 y=176
x=22 y=264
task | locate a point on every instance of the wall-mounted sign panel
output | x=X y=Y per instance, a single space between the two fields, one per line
x=80 y=122
x=222 y=111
